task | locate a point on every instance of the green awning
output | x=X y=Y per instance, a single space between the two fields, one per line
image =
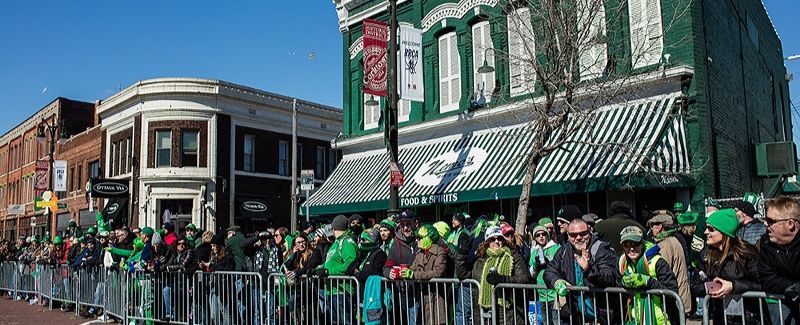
x=489 y=164
x=791 y=186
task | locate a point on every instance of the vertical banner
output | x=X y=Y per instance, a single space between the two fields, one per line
x=376 y=33
x=41 y=175
x=411 y=81
x=60 y=175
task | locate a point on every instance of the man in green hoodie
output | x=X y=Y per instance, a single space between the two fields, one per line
x=337 y=300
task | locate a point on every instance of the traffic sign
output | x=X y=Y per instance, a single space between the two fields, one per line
x=307 y=179
x=396 y=177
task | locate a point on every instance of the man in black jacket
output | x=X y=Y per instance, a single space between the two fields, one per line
x=585 y=261
x=610 y=228
x=461 y=241
x=779 y=257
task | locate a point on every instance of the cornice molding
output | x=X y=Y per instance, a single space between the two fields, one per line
x=452 y=10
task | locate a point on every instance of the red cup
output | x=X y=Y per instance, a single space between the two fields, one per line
x=396 y=271
x=403 y=266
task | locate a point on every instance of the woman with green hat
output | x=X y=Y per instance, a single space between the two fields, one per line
x=730 y=266
x=430 y=262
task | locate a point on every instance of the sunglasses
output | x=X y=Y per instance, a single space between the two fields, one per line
x=495 y=239
x=540 y=234
x=300 y=242
x=181 y=244
x=579 y=234
x=769 y=222
x=710 y=229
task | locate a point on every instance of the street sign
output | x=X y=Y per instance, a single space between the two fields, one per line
x=396 y=177
x=33 y=221
x=307 y=179
x=48 y=200
x=16 y=209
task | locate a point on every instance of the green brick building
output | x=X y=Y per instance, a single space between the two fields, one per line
x=709 y=85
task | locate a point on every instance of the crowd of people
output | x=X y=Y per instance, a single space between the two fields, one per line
x=721 y=254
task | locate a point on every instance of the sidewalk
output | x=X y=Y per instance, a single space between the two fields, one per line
x=20 y=312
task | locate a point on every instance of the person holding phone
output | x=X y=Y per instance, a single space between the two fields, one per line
x=728 y=267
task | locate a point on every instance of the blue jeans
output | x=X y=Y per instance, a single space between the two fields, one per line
x=775 y=314
x=166 y=292
x=464 y=305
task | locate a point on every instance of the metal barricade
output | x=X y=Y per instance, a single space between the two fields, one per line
x=116 y=286
x=437 y=301
x=535 y=304
x=91 y=287
x=46 y=283
x=752 y=307
x=227 y=298
x=8 y=278
x=26 y=282
x=158 y=297
x=312 y=300
x=64 y=287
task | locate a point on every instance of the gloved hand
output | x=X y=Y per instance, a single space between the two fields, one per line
x=406 y=274
x=635 y=281
x=494 y=278
x=321 y=272
x=793 y=292
x=541 y=265
x=107 y=249
x=561 y=287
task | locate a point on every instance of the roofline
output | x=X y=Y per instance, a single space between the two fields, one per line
x=4 y=141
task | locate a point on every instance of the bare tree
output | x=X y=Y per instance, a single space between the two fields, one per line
x=566 y=62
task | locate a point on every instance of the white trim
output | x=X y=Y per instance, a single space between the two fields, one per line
x=453 y=72
x=452 y=10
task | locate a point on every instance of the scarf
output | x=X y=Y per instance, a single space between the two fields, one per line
x=640 y=309
x=504 y=262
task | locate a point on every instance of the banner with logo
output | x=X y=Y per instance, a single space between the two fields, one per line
x=60 y=175
x=41 y=175
x=115 y=212
x=109 y=188
x=16 y=209
x=411 y=80
x=376 y=34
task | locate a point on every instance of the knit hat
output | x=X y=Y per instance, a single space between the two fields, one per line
x=545 y=221
x=569 y=213
x=461 y=217
x=157 y=239
x=747 y=208
x=371 y=235
x=493 y=231
x=661 y=217
x=538 y=229
x=72 y=224
x=341 y=222
x=619 y=207
x=687 y=218
x=406 y=214
x=590 y=218
x=320 y=232
x=725 y=221
x=442 y=228
x=631 y=233
x=218 y=239
x=428 y=231
x=355 y=216
x=191 y=227
x=148 y=231
x=678 y=207
x=388 y=224
x=507 y=229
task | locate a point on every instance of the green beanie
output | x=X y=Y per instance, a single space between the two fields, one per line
x=148 y=231
x=388 y=223
x=725 y=221
x=545 y=221
x=428 y=231
x=442 y=228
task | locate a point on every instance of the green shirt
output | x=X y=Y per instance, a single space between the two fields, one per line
x=342 y=253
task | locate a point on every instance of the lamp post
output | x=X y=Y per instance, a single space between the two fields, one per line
x=47 y=131
x=391 y=118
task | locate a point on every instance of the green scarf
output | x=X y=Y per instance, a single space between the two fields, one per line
x=504 y=262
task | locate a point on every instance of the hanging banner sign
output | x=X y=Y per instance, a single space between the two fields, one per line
x=41 y=175
x=376 y=33
x=411 y=80
x=108 y=188
x=60 y=175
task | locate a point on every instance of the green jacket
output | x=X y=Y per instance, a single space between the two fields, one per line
x=550 y=250
x=343 y=251
x=234 y=247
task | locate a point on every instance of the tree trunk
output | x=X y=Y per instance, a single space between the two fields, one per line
x=525 y=194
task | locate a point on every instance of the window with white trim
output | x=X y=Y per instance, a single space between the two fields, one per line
x=647 y=37
x=372 y=113
x=163 y=148
x=449 y=73
x=593 y=50
x=249 y=159
x=521 y=52
x=482 y=51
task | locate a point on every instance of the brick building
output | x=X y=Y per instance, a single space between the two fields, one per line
x=82 y=153
x=210 y=152
x=19 y=151
x=709 y=76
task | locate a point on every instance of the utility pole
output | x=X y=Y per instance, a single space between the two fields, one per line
x=391 y=118
x=294 y=196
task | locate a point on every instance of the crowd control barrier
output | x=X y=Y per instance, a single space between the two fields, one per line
x=752 y=307
x=64 y=285
x=233 y=298
x=535 y=304
x=438 y=301
x=26 y=279
x=116 y=302
x=8 y=280
x=91 y=286
x=46 y=284
x=312 y=300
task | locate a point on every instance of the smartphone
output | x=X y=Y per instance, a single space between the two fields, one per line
x=713 y=286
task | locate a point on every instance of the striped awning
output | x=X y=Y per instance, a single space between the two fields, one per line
x=638 y=144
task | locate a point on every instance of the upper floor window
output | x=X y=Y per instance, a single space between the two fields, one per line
x=249 y=158
x=189 y=148
x=482 y=52
x=647 y=41
x=283 y=156
x=449 y=73
x=593 y=49
x=319 y=170
x=372 y=113
x=163 y=148
x=94 y=169
x=521 y=52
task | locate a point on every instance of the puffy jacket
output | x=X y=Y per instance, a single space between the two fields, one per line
x=779 y=267
x=367 y=264
x=673 y=253
x=182 y=262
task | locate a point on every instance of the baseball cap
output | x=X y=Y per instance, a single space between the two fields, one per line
x=631 y=233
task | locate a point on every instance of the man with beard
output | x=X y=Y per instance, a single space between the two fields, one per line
x=588 y=261
x=401 y=254
x=386 y=228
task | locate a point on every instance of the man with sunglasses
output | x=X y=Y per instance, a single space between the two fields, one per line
x=585 y=261
x=779 y=257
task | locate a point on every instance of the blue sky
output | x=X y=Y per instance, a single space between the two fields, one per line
x=88 y=50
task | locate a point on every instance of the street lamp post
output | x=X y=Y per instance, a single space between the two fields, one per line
x=391 y=119
x=47 y=131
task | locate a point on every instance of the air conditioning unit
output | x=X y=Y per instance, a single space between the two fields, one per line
x=776 y=159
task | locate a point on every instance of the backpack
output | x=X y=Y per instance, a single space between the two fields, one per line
x=374 y=301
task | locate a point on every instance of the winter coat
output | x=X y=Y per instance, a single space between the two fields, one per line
x=519 y=275
x=460 y=243
x=428 y=265
x=641 y=308
x=182 y=262
x=225 y=263
x=234 y=247
x=779 y=267
x=610 y=228
x=672 y=252
x=399 y=253
x=602 y=273
x=744 y=279
x=538 y=267
x=367 y=264
x=342 y=253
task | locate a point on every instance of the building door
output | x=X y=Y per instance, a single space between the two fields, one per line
x=178 y=211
